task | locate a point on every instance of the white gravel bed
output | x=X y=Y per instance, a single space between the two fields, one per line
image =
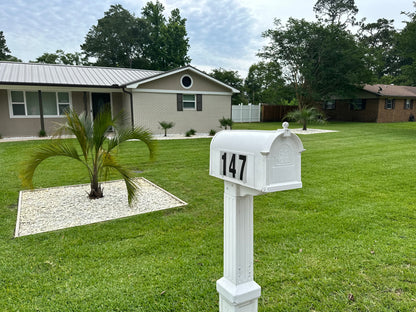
x=55 y=208
x=168 y=137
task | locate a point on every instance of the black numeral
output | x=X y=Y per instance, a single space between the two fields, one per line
x=243 y=165
x=224 y=164
x=233 y=168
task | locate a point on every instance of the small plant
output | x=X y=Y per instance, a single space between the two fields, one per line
x=166 y=125
x=42 y=133
x=190 y=132
x=305 y=115
x=95 y=150
x=212 y=132
x=226 y=122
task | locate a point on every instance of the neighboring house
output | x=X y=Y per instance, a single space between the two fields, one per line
x=375 y=103
x=185 y=96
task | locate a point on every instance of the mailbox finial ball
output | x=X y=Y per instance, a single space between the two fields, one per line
x=285 y=125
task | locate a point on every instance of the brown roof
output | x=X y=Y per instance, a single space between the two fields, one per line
x=391 y=90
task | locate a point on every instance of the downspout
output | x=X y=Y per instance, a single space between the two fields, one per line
x=131 y=106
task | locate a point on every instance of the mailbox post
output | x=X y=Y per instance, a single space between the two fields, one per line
x=250 y=163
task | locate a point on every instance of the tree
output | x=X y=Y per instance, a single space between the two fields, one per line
x=319 y=61
x=333 y=11
x=60 y=57
x=167 y=45
x=305 y=115
x=154 y=50
x=166 y=125
x=406 y=49
x=117 y=40
x=97 y=150
x=176 y=42
x=121 y=40
x=265 y=84
x=380 y=40
x=4 y=51
x=233 y=79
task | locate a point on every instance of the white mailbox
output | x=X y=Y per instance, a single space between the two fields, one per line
x=250 y=163
x=267 y=161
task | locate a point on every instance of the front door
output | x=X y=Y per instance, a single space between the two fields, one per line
x=100 y=101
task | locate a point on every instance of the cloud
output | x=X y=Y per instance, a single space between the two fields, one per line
x=220 y=32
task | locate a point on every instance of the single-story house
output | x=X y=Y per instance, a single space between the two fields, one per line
x=35 y=96
x=374 y=103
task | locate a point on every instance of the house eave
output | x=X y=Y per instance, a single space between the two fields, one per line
x=136 y=84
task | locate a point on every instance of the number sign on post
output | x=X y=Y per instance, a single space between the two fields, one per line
x=250 y=163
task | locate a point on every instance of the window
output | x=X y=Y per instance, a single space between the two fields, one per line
x=408 y=104
x=358 y=104
x=329 y=105
x=63 y=102
x=186 y=81
x=188 y=101
x=389 y=104
x=26 y=103
x=18 y=103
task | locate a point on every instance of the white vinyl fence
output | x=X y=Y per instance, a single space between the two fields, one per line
x=246 y=113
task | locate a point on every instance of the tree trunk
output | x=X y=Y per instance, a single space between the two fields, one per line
x=304 y=126
x=96 y=190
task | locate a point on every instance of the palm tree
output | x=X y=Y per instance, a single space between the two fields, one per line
x=305 y=115
x=166 y=125
x=96 y=147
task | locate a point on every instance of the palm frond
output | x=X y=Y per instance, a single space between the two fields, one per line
x=101 y=126
x=110 y=163
x=138 y=133
x=52 y=149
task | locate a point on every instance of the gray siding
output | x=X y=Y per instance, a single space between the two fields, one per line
x=150 y=108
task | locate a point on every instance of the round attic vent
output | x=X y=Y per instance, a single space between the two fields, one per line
x=186 y=81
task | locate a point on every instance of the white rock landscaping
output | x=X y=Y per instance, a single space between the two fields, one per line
x=50 y=209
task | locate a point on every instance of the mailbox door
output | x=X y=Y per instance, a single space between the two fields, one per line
x=283 y=165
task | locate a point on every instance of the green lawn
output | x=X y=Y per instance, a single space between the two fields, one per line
x=351 y=230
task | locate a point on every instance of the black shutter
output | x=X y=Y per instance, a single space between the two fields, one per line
x=179 y=102
x=411 y=104
x=385 y=103
x=199 y=102
x=393 y=104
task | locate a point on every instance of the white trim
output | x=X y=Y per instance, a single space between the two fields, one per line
x=192 y=81
x=179 y=91
x=134 y=85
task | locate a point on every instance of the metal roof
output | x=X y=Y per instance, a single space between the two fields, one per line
x=391 y=90
x=69 y=75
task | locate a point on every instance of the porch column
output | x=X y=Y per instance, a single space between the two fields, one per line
x=42 y=121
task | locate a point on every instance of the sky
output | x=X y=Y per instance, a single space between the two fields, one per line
x=222 y=33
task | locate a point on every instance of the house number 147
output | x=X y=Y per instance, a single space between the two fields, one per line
x=233 y=165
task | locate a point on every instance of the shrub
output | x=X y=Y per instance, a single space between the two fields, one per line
x=42 y=133
x=226 y=122
x=212 y=132
x=190 y=132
